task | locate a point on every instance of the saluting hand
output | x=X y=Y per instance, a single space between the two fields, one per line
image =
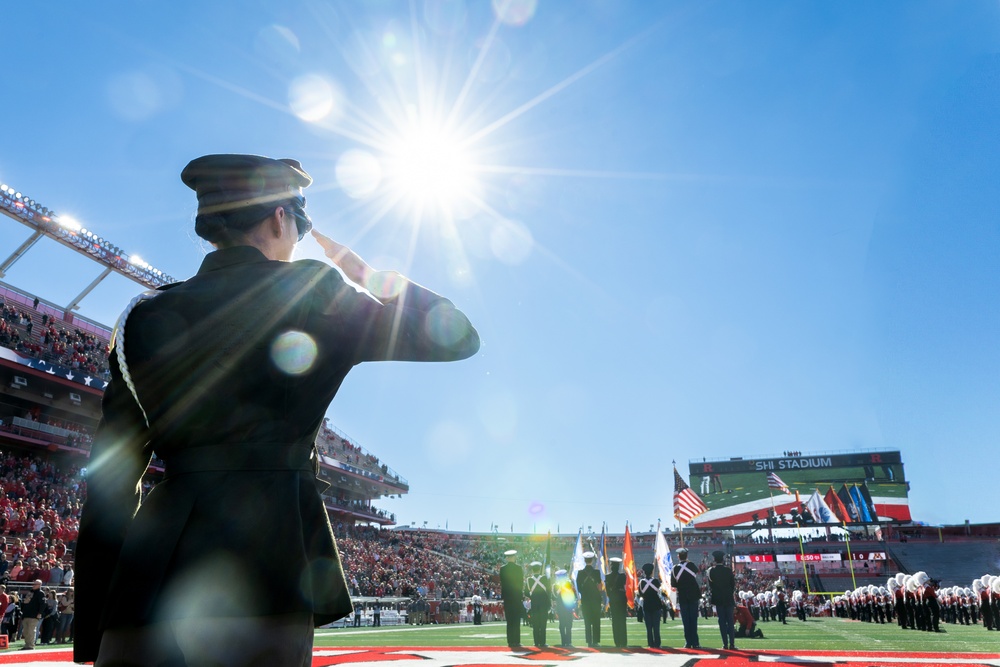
x=355 y=268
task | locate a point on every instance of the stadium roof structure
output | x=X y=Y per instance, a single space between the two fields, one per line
x=68 y=232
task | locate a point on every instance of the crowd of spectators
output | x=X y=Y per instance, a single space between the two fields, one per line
x=382 y=563
x=332 y=444
x=53 y=342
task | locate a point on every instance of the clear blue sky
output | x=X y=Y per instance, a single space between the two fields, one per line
x=695 y=228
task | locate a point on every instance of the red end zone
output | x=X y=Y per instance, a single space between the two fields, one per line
x=635 y=657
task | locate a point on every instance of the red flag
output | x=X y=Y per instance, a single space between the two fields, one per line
x=628 y=562
x=837 y=505
x=687 y=504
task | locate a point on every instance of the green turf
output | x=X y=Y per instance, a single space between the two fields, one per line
x=815 y=634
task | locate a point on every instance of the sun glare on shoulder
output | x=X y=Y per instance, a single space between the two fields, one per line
x=428 y=166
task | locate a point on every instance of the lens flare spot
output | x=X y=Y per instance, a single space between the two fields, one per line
x=312 y=98
x=536 y=509
x=135 y=96
x=511 y=242
x=385 y=284
x=294 y=352
x=444 y=325
x=515 y=12
x=358 y=173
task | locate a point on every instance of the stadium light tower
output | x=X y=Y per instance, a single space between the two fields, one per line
x=70 y=233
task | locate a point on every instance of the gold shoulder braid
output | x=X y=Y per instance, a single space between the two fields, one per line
x=118 y=343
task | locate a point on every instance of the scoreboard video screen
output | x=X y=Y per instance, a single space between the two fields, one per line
x=828 y=489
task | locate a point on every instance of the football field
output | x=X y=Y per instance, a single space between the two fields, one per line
x=816 y=642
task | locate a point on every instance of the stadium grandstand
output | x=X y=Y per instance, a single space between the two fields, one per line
x=54 y=367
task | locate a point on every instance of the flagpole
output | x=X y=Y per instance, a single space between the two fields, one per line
x=770 y=520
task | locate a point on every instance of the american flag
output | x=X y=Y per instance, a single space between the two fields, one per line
x=774 y=482
x=687 y=504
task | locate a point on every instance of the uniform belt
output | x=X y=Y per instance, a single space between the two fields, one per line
x=256 y=457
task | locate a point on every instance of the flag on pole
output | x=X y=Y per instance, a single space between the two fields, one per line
x=860 y=502
x=774 y=482
x=834 y=502
x=664 y=562
x=578 y=562
x=548 y=556
x=628 y=565
x=605 y=565
x=848 y=501
x=820 y=510
x=687 y=504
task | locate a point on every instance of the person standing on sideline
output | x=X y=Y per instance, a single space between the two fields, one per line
x=722 y=585
x=537 y=588
x=33 y=610
x=649 y=592
x=511 y=592
x=684 y=578
x=614 y=582
x=564 y=594
x=588 y=581
x=377 y=614
x=227 y=376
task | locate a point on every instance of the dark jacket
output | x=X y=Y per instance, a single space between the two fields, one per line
x=722 y=585
x=234 y=369
x=33 y=605
x=588 y=582
x=614 y=583
x=512 y=583
x=683 y=578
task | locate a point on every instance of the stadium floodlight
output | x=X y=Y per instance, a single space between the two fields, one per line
x=68 y=223
x=3 y=188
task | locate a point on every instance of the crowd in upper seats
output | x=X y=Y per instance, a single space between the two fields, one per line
x=335 y=446
x=53 y=342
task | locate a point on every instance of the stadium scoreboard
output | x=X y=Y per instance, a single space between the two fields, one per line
x=819 y=489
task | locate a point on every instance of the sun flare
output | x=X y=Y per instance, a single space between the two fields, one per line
x=431 y=167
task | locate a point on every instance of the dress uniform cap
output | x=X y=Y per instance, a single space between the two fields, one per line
x=228 y=182
x=588 y=555
x=560 y=573
x=535 y=563
x=510 y=552
x=616 y=559
x=682 y=551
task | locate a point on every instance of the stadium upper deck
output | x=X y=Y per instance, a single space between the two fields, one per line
x=53 y=370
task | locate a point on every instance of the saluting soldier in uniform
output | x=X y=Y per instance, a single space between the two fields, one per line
x=588 y=582
x=649 y=591
x=511 y=591
x=227 y=377
x=614 y=582
x=537 y=588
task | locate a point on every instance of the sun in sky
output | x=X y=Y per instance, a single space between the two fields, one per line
x=422 y=127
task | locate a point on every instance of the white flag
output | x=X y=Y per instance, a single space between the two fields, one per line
x=664 y=562
x=820 y=510
x=578 y=562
